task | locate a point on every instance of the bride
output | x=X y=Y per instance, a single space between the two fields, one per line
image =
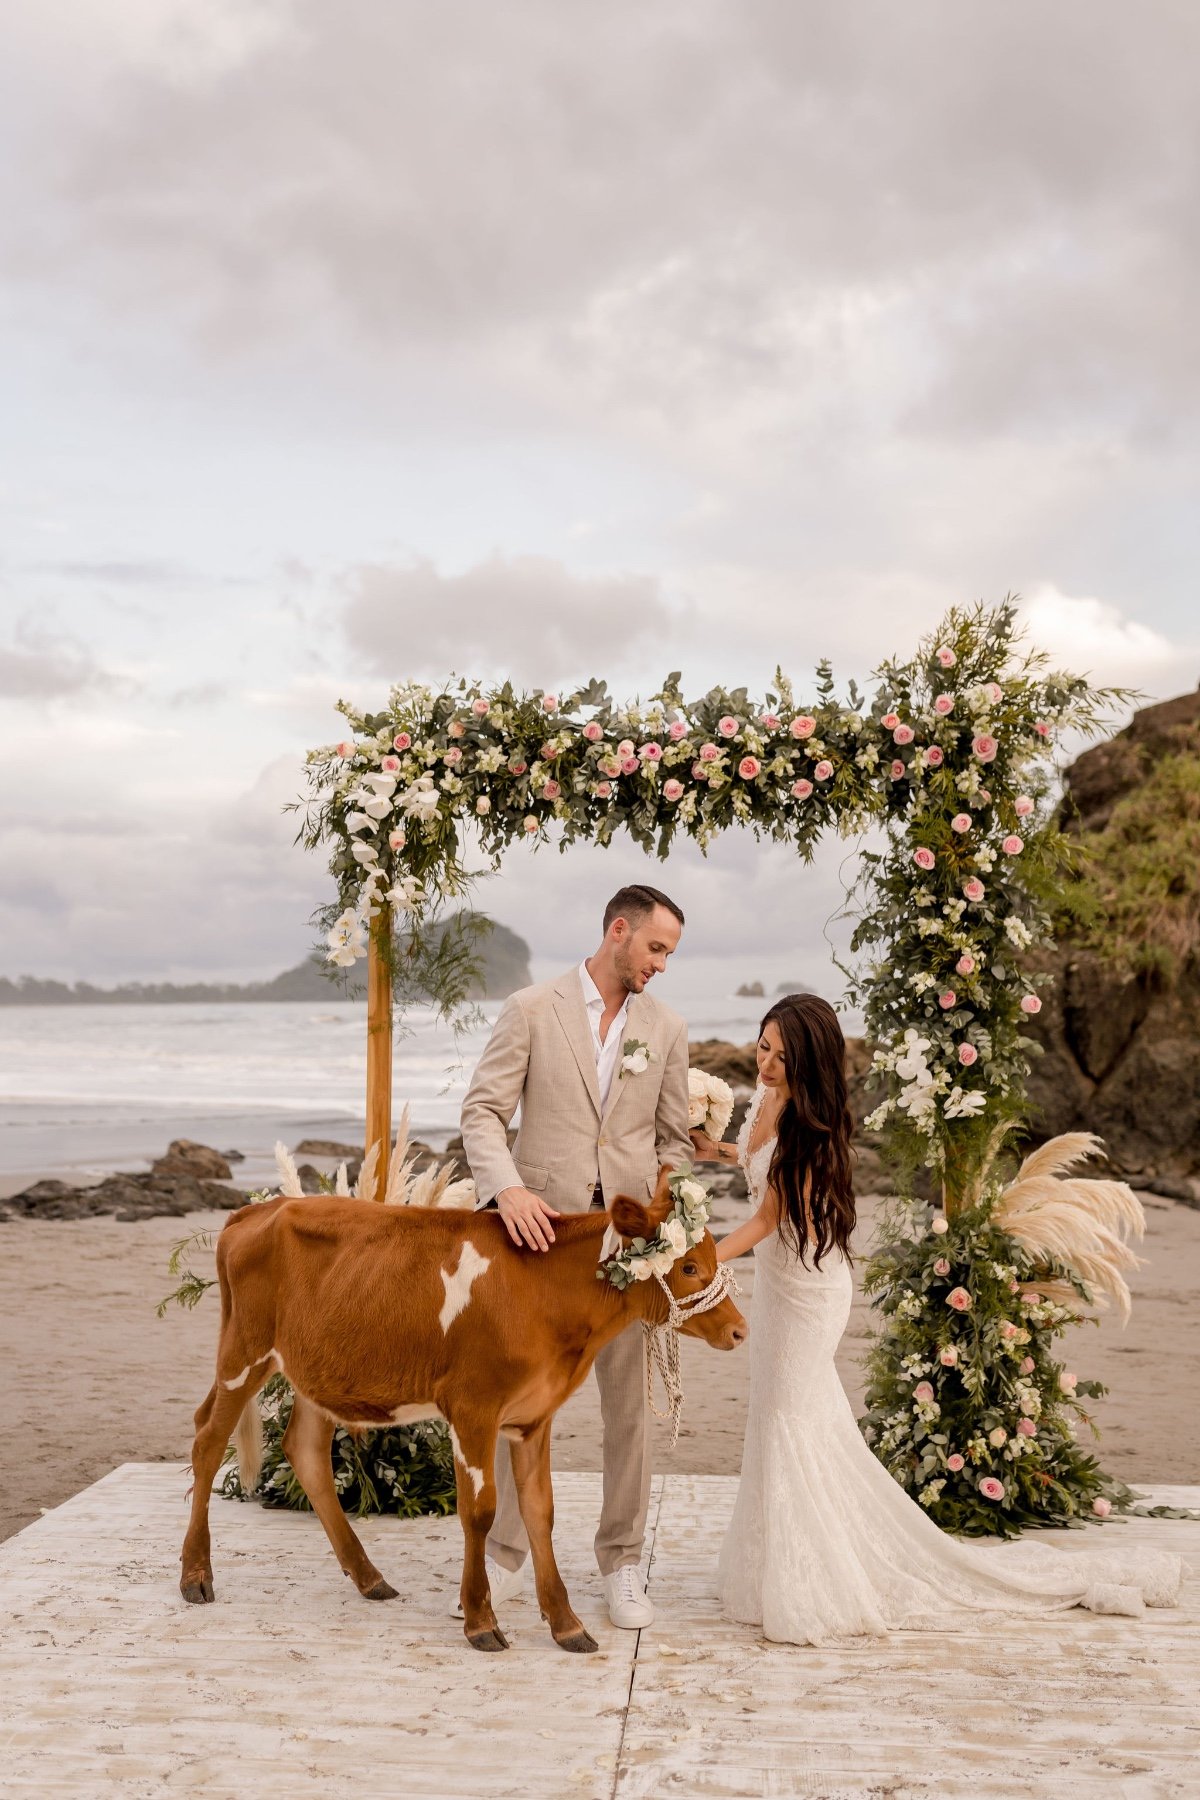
x=823 y=1541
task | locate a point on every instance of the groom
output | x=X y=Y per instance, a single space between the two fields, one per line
x=595 y=1122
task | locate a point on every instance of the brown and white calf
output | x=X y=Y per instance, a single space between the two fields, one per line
x=381 y=1315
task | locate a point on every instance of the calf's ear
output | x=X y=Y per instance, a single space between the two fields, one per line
x=630 y=1218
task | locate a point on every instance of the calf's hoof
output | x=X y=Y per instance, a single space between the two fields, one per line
x=487 y=1640
x=383 y=1590
x=580 y=1642
x=198 y=1590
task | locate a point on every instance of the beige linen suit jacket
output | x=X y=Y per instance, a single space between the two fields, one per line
x=540 y=1057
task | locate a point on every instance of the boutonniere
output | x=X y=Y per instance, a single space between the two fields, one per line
x=636 y=1057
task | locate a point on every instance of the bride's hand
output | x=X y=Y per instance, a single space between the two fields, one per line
x=707 y=1149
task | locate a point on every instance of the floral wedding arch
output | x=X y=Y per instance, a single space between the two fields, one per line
x=953 y=756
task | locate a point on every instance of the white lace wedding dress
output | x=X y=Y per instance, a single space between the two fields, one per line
x=823 y=1542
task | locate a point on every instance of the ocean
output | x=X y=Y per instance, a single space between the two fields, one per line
x=88 y=1089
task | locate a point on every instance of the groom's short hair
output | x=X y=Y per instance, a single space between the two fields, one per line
x=636 y=902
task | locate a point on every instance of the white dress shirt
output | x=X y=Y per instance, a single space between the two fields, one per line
x=608 y=1051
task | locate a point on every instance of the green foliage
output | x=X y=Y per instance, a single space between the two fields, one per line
x=990 y=1369
x=192 y=1287
x=407 y=1470
x=1136 y=900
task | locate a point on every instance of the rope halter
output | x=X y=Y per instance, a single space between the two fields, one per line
x=662 y=1341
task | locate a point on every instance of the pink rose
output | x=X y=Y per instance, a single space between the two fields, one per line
x=944 y=704
x=948 y=1356
x=531 y=824
x=939 y=1225
x=630 y=765
x=961 y=822
x=676 y=730
x=903 y=734
x=390 y=765
x=941 y=1266
x=801 y=789
x=1026 y=1365
x=699 y=772
x=1024 y=806
x=954 y=1462
x=1042 y=729
x=974 y=889
x=749 y=767
x=1026 y=1428
x=890 y=721
x=481 y=708
x=1068 y=1382
x=1008 y=1330
x=603 y=790
x=593 y=731
x=946 y=656
x=803 y=727
x=1013 y=846
x=517 y=768
x=547 y=752
x=965 y=964
x=483 y=804
x=455 y=729
x=551 y=791
x=728 y=726
x=994 y=692
x=651 y=752
x=935 y=756
x=1031 y=1004
x=947 y=1000
x=897 y=769
x=991 y=1489
x=709 y=753
x=550 y=703
x=998 y=1438
x=453 y=755
x=967 y=1054
x=923 y=1391
x=609 y=765
x=985 y=747
x=625 y=747
x=924 y=857
x=959 y=1299
x=1101 y=1507
x=985 y=796
x=345 y=750
x=771 y=721
x=672 y=789
x=401 y=741
x=823 y=771
x=396 y=839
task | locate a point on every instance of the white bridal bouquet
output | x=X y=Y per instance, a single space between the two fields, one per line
x=710 y=1104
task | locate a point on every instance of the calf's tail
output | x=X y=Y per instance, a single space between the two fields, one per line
x=248 y=1441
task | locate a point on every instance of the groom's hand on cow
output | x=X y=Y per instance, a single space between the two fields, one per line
x=526 y=1217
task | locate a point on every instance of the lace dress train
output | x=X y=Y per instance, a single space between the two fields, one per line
x=823 y=1542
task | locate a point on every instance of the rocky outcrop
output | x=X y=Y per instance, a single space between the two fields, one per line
x=1121 y=1051
x=122 y=1196
x=735 y=1063
x=750 y=990
x=187 y=1158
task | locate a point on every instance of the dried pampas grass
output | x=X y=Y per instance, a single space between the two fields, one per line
x=1082 y=1224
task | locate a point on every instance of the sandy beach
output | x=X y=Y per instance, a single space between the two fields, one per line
x=93 y=1379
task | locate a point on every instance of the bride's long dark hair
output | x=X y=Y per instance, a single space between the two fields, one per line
x=815 y=1126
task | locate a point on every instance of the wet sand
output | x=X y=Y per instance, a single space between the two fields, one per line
x=91 y=1379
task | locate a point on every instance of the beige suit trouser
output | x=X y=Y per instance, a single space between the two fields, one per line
x=621 y=1377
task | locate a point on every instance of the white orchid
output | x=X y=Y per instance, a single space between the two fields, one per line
x=962 y=1105
x=406 y=895
x=364 y=853
x=420 y=801
x=359 y=821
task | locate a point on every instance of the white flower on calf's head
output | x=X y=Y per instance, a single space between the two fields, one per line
x=674 y=1235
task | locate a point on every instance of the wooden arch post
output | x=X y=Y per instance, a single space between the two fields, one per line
x=379 y=1048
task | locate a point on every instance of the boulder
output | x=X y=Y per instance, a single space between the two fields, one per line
x=735 y=1063
x=750 y=990
x=187 y=1158
x=328 y=1147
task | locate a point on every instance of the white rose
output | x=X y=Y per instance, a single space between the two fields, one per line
x=637 y=1064
x=693 y=1193
x=640 y=1269
x=697 y=1111
x=673 y=1234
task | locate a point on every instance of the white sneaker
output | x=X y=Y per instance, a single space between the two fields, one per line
x=629 y=1606
x=505 y=1584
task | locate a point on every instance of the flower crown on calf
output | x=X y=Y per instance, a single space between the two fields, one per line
x=682 y=1228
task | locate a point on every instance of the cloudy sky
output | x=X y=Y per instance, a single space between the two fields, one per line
x=346 y=344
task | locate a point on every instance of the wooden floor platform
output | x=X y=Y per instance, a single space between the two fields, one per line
x=292 y=1686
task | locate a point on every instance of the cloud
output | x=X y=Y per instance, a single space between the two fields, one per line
x=525 y=616
x=39 y=664
x=1094 y=637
